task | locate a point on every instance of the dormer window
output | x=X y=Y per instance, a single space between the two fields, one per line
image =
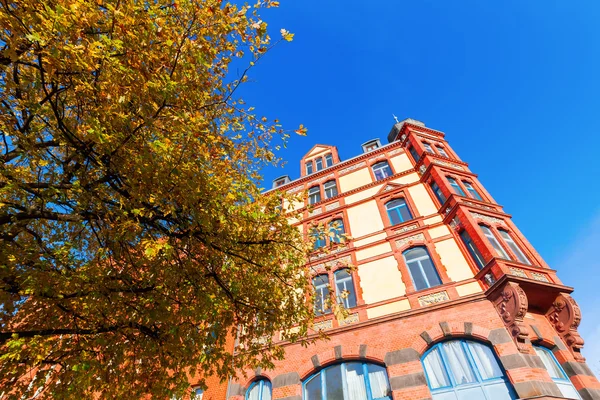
x=282 y=180
x=328 y=160
x=371 y=145
x=309 y=168
x=319 y=163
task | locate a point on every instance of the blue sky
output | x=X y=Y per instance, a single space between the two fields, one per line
x=515 y=89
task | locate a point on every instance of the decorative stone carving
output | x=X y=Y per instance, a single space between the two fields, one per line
x=314 y=212
x=512 y=304
x=295 y=189
x=447 y=164
x=379 y=157
x=403 y=137
x=540 y=277
x=332 y=206
x=394 y=152
x=422 y=169
x=350 y=319
x=455 y=223
x=407 y=228
x=478 y=205
x=408 y=239
x=487 y=218
x=352 y=168
x=565 y=316
x=433 y=298
x=517 y=272
x=321 y=326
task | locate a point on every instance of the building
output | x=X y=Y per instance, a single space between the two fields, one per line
x=446 y=298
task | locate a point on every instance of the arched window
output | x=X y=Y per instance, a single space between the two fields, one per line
x=314 y=195
x=463 y=369
x=494 y=242
x=381 y=170
x=508 y=240
x=344 y=284
x=556 y=373
x=349 y=381
x=398 y=211
x=330 y=188
x=321 y=284
x=259 y=390
x=336 y=230
x=421 y=268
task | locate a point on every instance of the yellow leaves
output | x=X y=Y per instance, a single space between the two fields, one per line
x=286 y=35
x=301 y=130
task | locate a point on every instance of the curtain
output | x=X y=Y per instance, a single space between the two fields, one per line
x=435 y=370
x=266 y=392
x=355 y=381
x=485 y=361
x=254 y=392
x=458 y=363
x=378 y=380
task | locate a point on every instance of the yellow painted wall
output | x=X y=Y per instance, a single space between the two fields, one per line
x=373 y=251
x=363 y=194
x=401 y=163
x=439 y=231
x=364 y=219
x=370 y=239
x=381 y=280
x=389 y=308
x=410 y=178
x=355 y=179
x=453 y=259
x=433 y=220
x=469 y=288
x=421 y=198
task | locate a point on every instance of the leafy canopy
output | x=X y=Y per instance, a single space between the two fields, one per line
x=134 y=238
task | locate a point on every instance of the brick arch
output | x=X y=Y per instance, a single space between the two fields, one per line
x=450 y=330
x=339 y=354
x=258 y=375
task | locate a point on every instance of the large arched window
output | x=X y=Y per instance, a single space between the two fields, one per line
x=556 y=373
x=348 y=381
x=398 y=211
x=463 y=369
x=259 y=390
x=344 y=287
x=421 y=268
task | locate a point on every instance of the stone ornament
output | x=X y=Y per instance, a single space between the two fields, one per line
x=447 y=164
x=332 y=206
x=350 y=319
x=414 y=238
x=565 y=316
x=352 y=168
x=517 y=272
x=295 y=189
x=407 y=228
x=486 y=218
x=540 y=277
x=321 y=326
x=512 y=304
x=433 y=298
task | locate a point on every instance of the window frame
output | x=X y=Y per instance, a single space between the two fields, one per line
x=421 y=268
x=319 y=293
x=472 y=249
x=471 y=190
x=318 y=161
x=441 y=150
x=345 y=301
x=378 y=166
x=456 y=187
x=322 y=376
x=515 y=249
x=437 y=192
x=428 y=148
x=328 y=160
x=261 y=382
x=325 y=188
x=564 y=380
x=332 y=239
x=505 y=255
x=318 y=192
x=308 y=167
x=413 y=152
x=320 y=238
x=398 y=213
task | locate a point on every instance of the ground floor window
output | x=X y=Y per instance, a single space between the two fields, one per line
x=348 y=381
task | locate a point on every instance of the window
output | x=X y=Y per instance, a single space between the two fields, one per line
x=414 y=153
x=345 y=285
x=321 y=285
x=319 y=164
x=371 y=145
x=513 y=246
x=318 y=237
x=330 y=189
x=398 y=211
x=336 y=230
x=348 y=381
x=455 y=186
x=472 y=190
x=473 y=250
x=314 y=195
x=464 y=370
x=428 y=147
x=197 y=393
x=259 y=390
x=381 y=170
x=279 y=182
x=309 y=168
x=494 y=242
x=556 y=372
x=421 y=268
x=328 y=160
x=441 y=150
x=438 y=192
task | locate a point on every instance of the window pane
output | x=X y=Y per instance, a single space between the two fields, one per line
x=266 y=391
x=321 y=283
x=344 y=283
x=254 y=393
x=330 y=189
x=434 y=368
x=329 y=160
x=355 y=380
x=458 y=363
x=472 y=190
x=381 y=170
x=415 y=252
x=309 y=167
x=485 y=362
x=551 y=366
x=430 y=272
x=380 y=387
x=455 y=186
x=513 y=246
x=567 y=390
x=319 y=163
x=438 y=192
x=313 y=388
x=494 y=242
x=441 y=151
x=427 y=147
x=417 y=276
x=473 y=250
x=333 y=383
x=414 y=154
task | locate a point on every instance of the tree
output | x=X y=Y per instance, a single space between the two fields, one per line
x=134 y=235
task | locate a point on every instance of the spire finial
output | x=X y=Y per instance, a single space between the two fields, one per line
x=396 y=118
